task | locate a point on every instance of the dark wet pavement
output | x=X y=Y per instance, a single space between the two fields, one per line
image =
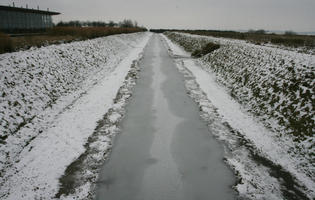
x=165 y=151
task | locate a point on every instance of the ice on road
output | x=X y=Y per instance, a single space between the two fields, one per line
x=165 y=151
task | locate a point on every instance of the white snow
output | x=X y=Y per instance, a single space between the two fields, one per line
x=245 y=124
x=60 y=132
x=266 y=142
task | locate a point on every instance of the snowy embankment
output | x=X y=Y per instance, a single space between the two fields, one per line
x=242 y=93
x=51 y=100
x=273 y=83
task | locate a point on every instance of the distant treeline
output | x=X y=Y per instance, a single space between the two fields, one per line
x=127 y=23
x=289 y=38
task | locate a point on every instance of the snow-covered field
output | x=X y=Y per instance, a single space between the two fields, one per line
x=51 y=100
x=249 y=95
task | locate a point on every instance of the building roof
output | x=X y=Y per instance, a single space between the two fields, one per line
x=27 y=10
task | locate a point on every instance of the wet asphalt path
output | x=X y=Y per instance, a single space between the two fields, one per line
x=165 y=151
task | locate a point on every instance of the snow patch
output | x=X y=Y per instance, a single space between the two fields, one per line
x=37 y=154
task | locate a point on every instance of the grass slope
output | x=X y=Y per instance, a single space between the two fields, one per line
x=276 y=85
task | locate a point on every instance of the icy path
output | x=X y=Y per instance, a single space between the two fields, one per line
x=165 y=152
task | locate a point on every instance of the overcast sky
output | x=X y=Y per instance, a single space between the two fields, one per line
x=296 y=15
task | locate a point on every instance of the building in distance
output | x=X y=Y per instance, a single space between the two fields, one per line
x=24 y=20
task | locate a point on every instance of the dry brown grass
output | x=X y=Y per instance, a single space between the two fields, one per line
x=25 y=42
x=5 y=43
x=90 y=32
x=290 y=40
x=59 y=35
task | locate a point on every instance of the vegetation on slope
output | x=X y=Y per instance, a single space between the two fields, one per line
x=276 y=85
x=208 y=48
x=289 y=39
x=33 y=80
